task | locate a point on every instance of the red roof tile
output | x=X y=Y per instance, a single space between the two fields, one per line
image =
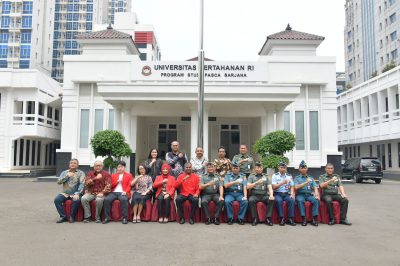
x=108 y=33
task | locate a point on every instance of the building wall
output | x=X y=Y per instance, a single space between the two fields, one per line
x=371 y=38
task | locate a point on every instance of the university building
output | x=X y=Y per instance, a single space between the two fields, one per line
x=154 y=103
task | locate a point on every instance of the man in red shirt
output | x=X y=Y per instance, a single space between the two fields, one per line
x=97 y=185
x=121 y=190
x=188 y=183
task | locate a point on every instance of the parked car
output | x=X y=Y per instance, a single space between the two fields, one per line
x=363 y=168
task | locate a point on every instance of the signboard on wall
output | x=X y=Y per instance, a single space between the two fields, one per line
x=188 y=71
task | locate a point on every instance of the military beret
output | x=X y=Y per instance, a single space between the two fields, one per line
x=302 y=164
x=258 y=164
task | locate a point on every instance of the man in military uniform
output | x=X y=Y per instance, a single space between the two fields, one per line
x=306 y=190
x=211 y=190
x=282 y=184
x=235 y=188
x=261 y=190
x=332 y=185
x=245 y=161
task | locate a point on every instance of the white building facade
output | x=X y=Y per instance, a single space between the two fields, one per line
x=30 y=121
x=154 y=103
x=369 y=120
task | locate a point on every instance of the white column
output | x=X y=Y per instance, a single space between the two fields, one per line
x=126 y=124
x=117 y=118
x=263 y=123
x=270 y=121
x=381 y=106
x=391 y=101
x=193 y=130
x=133 y=138
x=279 y=119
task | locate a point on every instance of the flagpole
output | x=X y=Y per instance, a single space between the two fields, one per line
x=200 y=100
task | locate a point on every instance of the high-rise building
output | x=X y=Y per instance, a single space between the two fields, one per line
x=371 y=38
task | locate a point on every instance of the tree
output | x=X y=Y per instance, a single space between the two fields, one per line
x=272 y=146
x=388 y=67
x=110 y=144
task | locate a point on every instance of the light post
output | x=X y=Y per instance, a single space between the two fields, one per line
x=200 y=100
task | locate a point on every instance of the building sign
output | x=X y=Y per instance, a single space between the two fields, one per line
x=188 y=71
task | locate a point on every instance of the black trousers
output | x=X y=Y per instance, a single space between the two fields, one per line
x=180 y=199
x=206 y=198
x=260 y=198
x=166 y=203
x=344 y=203
x=109 y=199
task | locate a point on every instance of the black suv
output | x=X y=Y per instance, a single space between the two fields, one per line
x=362 y=168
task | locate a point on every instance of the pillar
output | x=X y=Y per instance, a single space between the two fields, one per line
x=193 y=130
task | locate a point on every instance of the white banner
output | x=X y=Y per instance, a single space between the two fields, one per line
x=188 y=71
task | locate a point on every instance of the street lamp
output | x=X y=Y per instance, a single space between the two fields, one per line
x=200 y=100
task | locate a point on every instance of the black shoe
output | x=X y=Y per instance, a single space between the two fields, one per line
x=304 y=223
x=124 y=221
x=290 y=222
x=182 y=221
x=255 y=222
x=268 y=222
x=216 y=222
x=314 y=222
x=331 y=222
x=282 y=223
x=98 y=221
x=345 y=222
x=241 y=222
x=86 y=220
x=106 y=221
x=208 y=221
x=61 y=220
x=71 y=220
x=230 y=221
x=191 y=221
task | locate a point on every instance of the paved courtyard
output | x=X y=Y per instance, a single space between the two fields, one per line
x=30 y=236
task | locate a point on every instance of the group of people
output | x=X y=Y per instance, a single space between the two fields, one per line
x=200 y=181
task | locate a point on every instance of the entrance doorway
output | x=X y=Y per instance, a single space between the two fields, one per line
x=230 y=139
x=167 y=133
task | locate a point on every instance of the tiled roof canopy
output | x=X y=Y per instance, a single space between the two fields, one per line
x=289 y=34
x=108 y=33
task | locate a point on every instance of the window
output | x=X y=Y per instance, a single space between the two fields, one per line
x=390 y=154
x=98 y=120
x=392 y=18
x=350 y=48
x=370 y=150
x=393 y=36
x=286 y=120
x=143 y=57
x=84 y=129
x=314 y=131
x=26 y=22
x=6 y=7
x=350 y=62
x=27 y=7
x=5 y=21
x=25 y=37
x=24 y=64
x=346 y=153
x=299 y=117
x=3 y=51
x=88 y=25
x=359 y=151
x=391 y=2
x=89 y=7
x=21 y=152
x=4 y=37
x=25 y=51
x=111 y=119
x=394 y=54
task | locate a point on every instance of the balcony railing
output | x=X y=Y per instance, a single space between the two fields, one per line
x=32 y=120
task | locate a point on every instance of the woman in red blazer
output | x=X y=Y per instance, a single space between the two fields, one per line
x=121 y=190
x=165 y=185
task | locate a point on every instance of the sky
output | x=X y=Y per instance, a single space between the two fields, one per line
x=235 y=30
